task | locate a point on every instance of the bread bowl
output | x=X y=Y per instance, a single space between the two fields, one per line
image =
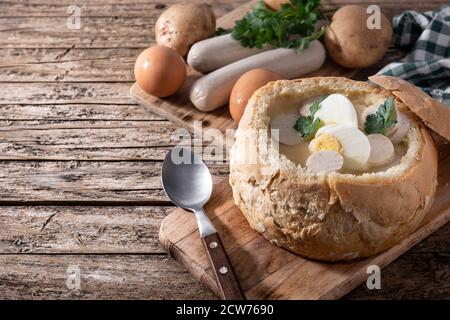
x=329 y=216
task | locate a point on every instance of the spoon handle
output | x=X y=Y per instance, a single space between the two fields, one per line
x=223 y=271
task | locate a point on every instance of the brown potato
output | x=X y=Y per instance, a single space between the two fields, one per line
x=351 y=43
x=183 y=24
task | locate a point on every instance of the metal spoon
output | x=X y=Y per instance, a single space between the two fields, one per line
x=188 y=184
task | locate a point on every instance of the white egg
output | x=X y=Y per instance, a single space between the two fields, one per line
x=337 y=109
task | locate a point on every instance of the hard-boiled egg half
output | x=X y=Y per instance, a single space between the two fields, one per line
x=340 y=133
x=337 y=109
x=355 y=144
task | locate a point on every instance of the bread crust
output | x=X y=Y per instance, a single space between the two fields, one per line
x=328 y=217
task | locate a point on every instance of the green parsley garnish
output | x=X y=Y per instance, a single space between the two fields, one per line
x=308 y=126
x=293 y=26
x=383 y=119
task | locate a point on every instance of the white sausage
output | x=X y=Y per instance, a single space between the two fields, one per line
x=214 y=53
x=213 y=90
x=325 y=161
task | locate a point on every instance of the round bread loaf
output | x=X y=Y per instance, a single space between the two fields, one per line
x=334 y=216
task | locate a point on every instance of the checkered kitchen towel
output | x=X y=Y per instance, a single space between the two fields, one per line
x=428 y=64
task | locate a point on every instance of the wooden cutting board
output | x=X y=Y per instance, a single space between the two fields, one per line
x=266 y=271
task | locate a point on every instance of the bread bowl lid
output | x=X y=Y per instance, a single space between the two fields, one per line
x=434 y=114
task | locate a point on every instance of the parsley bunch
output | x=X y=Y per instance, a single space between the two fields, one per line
x=308 y=126
x=383 y=119
x=291 y=27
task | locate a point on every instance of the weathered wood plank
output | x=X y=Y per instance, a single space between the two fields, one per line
x=86 y=140
x=80 y=229
x=84 y=182
x=103 y=8
x=110 y=8
x=111 y=31
x=412 y=276
x=65 y=93
x=67 y=64
x=101 y=277
x=78 y=112
x=90 y=140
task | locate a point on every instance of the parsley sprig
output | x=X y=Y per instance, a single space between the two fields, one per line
x=307 y=126
x=293 y=26
x=383 y=119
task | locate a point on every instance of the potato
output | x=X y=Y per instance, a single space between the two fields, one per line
x=183 y=24
x=351 y=43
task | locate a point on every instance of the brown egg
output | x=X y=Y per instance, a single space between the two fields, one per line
x=243 y=89
x=160 y=71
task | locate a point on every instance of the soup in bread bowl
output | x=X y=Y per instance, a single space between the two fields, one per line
x=331 y=168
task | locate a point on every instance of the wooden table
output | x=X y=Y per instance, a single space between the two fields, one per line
x=80 y=161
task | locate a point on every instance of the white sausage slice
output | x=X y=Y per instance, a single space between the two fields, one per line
x=396 y=133
x=381 y=150
x=284 y=123
x=214 y=53
x=213 y=90
x=400 y=129
x=325 y=161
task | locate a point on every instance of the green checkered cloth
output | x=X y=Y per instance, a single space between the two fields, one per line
x=427 y=65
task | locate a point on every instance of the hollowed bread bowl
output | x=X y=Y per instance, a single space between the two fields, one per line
x=335 y=216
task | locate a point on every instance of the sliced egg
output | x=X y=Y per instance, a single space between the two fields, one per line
x=337 y=109
x=325 y=142
x=355 y=145
x=284 y=124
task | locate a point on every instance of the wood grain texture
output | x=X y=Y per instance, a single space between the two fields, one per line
x=68 y=93
x=108 y=140
x=55 y=82
x=104 y=8
x=80 y=229
x=266 y=271
x=98 y=182
x=101 y=277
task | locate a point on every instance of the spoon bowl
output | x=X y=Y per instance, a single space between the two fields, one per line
x=186 y=179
